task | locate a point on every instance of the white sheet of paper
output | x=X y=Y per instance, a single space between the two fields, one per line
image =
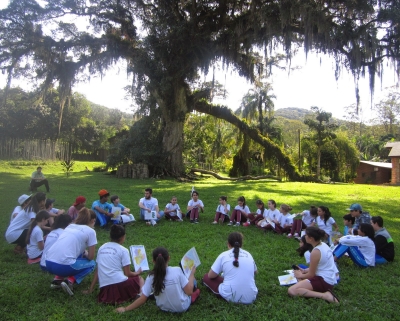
x=139 y=257
x=287 y=279
x=150 y=215
x=189 y=260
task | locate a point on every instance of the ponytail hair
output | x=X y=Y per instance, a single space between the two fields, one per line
x=242 y=199
x=61 y=221
x=286 y=208
x=272 y=202
x=327 y=213
x=160 y=258
x=368 y=230
x=235 y=240
x=42 y=215
x=116 y=232
x=85 y=216
x=34 y=204
x=260 y=202
x=315 y=233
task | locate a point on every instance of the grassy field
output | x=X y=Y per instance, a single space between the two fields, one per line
x=365 y=294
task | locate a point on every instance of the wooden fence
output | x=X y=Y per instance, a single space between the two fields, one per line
x=14 y=148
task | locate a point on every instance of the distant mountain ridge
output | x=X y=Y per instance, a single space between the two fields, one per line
x=295 y=113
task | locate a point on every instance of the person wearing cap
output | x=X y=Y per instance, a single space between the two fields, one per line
x=384 y=245
x=38 y=179
x=147 y=204
x=102 y=208
x=23 y=201
x=73 y=211
x=360 y=216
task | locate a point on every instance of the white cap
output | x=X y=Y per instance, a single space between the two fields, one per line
x=23 y=198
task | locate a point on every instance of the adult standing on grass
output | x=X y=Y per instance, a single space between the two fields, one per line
x=38 y=179
x=360 y=216
x=384 y=245
x=148 y=204
x=318 y=280
x=118 y=283
x=102 y=208
x=73 y=211
x=237 y=283
x=68 y=256
x=173 y=291
x=18 y=228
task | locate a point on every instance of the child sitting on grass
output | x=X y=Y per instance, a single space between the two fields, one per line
x=348 y=222
x=60 y=223
x=307 y=218
x=222 y=211
x=194 y=206
x=172 y=210
x=240 y=212
x=34 y=238
x=126 y=217
x=118 y=283
x=285 y=221
x=173 y=291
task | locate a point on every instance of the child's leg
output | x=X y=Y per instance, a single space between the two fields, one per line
x=217 y=216
x=213 y=284
x=340 y=250
x=168 y=216
x=243 y=217
x=233 y=216
x=258 y=218
x=379 y=259
x=357 y=256
x=194 y=213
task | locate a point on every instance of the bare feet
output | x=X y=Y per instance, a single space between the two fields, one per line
x=330 y=297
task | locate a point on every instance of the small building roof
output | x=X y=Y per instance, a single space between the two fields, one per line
x=395 y=148
x=378 y=164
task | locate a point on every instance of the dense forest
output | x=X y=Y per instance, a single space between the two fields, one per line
x=319 y=145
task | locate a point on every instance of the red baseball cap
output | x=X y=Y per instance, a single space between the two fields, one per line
x=103 y=192
x=79 y=200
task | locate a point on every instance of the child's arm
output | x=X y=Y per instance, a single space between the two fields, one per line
x=94 y=281
x=91 y=252
x=40 y=245
x=128 y=272
x=142 y=300
x=335 y=226
x=188 y=289
x=310 y=272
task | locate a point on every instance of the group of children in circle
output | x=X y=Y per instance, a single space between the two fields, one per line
x=69 y=251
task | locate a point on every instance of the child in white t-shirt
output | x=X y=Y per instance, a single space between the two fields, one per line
x=117 y=282
x=325 y=222
x=222 y=211
x=172 y=210
x=34 y=238
x=271 y=217
x=173 y=291
x=23 y=201
x=194 y=206
x=307 y=217
x=60 y=223
x=232 y=274
x=240 y=212
x=254 y=218
x=285 y=221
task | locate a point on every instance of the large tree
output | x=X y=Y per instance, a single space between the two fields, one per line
x=167 y=42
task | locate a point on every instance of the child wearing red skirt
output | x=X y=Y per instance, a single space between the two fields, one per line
x=240 y=213
x=118 y=283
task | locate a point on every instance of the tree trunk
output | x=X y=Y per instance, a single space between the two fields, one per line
x=319 y=163
x=174 y=110
x=227 y=115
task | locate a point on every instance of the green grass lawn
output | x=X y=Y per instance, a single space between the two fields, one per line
x=365 y=294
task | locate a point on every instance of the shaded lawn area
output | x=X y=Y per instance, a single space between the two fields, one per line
x=365 y=294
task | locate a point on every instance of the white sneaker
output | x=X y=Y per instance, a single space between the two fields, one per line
x=237 y=224
x=296 y=234
x=230 y=223
x=67 y=287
